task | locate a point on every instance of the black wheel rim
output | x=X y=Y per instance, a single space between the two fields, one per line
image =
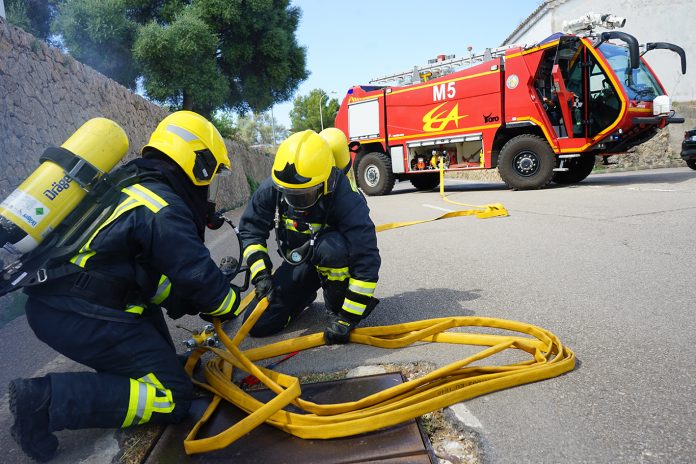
x=526 y=163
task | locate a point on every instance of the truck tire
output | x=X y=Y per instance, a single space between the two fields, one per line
x=691 y=163
x=425 y=182
x=578 y=169
x=526 y=162
x=375 y=176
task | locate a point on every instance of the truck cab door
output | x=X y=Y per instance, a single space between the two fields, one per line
x=569 y=86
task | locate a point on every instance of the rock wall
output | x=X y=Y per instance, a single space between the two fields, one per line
x=47 y=95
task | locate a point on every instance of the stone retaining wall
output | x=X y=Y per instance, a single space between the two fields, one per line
x=47 y=95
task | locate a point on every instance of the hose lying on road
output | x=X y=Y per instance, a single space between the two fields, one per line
x=445 y=386
x=480 y=211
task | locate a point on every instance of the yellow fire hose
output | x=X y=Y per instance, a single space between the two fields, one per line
x=445 y=386
x=480 y=211
x=456 y=382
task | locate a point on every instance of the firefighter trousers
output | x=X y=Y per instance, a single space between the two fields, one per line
x=138 y=377
x=295 y=287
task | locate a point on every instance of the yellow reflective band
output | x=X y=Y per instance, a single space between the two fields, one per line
x=332 y=273
x=135 y=309
x=226 y=305
x=257 y=267
x=253 y=248
x=146 y=197
x=353 y=307
x=163 y=289
x=362 y=287
x=137 y=196
x=146 y=406
x=133 y=401
x=147 y=395
x=161 y=404
x=85 y=253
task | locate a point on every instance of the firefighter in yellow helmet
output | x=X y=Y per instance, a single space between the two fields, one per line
x=101 y=307
x=324 y=235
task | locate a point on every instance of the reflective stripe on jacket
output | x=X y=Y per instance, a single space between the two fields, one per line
x=152 y=229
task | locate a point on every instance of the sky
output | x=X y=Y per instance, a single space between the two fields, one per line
x=351 y=42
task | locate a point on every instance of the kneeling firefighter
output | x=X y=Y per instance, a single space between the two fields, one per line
x=324 y=234
x=102 y=308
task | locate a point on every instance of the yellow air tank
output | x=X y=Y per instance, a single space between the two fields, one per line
x=339 y=146
x=48 y=195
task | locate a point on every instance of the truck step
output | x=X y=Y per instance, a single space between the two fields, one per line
x=560 y=169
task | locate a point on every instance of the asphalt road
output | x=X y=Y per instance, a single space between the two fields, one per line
x=607 y=265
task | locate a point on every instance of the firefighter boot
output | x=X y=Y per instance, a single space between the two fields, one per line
x=29 y=401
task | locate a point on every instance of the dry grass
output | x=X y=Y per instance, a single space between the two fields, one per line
x=137 y=442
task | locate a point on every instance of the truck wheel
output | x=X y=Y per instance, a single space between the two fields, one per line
x=578 y=169
x=691 y=163
x=526 y=162
x=375 y=176
x=425 y=182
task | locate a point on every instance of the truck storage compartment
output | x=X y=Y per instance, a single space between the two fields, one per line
x=459 y=153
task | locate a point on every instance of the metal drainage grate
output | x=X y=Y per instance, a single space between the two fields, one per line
x=404 y=443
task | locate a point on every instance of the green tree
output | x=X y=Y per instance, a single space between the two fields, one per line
x=224 y=122
x=305 y=113
x=179 y=65
x=34 y=16
x=192 y=54
x=259 y=128
x=100 y=34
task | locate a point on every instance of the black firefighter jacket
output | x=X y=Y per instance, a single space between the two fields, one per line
x=343 y=209
x=150 y=242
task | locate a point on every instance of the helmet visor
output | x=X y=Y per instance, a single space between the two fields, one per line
x=302 y=198
x=214 y=185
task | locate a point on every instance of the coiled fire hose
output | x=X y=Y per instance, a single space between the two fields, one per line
x=458 y=381
x=448 y=385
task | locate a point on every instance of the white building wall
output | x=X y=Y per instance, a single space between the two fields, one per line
x=648 y=20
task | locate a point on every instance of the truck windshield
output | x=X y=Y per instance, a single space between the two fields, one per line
x=640 y=84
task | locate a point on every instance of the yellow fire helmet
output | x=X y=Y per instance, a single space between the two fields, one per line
x=302 y=167
x=193 y=143
x=339 y=146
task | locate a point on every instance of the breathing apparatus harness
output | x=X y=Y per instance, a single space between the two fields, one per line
x=48 y=264
x=47 y=270
x=304 y=252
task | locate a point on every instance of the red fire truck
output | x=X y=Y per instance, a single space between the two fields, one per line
x=538 y=114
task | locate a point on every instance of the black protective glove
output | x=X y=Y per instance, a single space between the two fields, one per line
x=229 y=315
x=339 y=329
x=263 y=282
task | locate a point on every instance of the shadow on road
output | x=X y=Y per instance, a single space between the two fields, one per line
x=423 y=303
x=653 y=176
x=450 y=188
